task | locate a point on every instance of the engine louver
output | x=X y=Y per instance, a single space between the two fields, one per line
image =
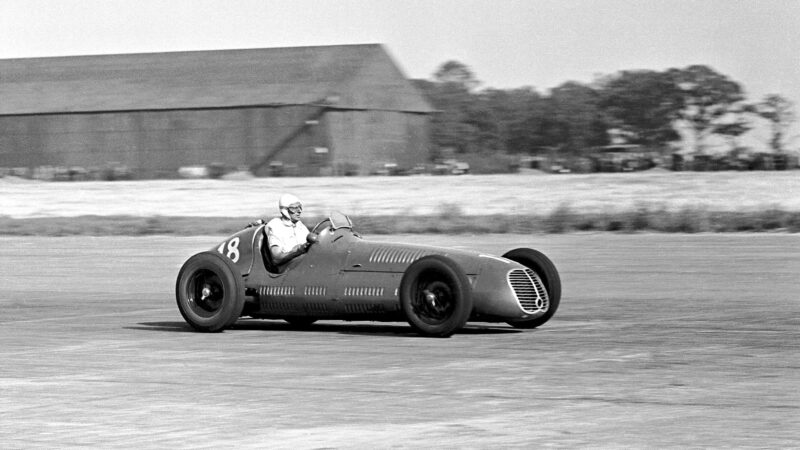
x=390 y=255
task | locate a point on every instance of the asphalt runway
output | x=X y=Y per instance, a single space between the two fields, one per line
x=660 y=341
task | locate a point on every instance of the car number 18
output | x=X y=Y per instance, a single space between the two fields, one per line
x=232 y=249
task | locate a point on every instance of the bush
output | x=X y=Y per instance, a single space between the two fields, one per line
x=450 y=219
x=560 y=220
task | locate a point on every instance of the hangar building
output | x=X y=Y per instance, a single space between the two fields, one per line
x=345 y=109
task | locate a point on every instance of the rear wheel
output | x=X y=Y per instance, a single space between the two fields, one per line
x=209 y=292
x=546 y=270
x=435 y=296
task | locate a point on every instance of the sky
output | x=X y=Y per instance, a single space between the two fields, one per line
x=507 y=44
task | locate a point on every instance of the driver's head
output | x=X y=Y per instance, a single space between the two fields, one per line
x=290 y=207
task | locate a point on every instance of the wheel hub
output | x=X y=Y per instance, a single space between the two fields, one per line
x=205 y=293
x=433 y=301
x=430 y=298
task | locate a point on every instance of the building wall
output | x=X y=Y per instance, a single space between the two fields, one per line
x=364 y=141
x=157 y=143
x=152 y=143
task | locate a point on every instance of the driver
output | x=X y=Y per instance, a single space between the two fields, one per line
x=286 y=234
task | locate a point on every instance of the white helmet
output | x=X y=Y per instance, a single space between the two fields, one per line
x=286 y=201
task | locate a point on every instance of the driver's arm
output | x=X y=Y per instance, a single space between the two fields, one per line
x=279 y=257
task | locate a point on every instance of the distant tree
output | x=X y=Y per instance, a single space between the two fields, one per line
x=643 y=105
x=646 y=106
x=708 y=101
x=486 y=124
x=575 y=121
x=455 y=72
x=453 y=125
x=731 y=131
x=518 y=114
x=779 y=112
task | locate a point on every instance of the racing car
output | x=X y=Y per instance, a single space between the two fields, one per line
x=343 y=276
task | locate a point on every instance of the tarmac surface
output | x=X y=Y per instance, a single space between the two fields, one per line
x=660 y=341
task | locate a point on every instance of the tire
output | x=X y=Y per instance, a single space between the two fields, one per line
x=224 y=299
x=541 y=264
x=435 y=296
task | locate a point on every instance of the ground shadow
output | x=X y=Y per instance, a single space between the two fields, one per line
x=350 y=328
x=361 y=328
x=175 y=327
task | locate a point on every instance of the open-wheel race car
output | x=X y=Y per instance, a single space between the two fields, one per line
x=345 y=277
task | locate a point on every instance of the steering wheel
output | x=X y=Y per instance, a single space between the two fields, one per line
x=317 y=226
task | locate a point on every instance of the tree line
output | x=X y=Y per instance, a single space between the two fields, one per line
x=644 y=107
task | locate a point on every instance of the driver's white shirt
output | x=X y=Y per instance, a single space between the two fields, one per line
x=285 y=234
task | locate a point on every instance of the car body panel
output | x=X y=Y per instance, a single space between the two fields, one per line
x=242 y=247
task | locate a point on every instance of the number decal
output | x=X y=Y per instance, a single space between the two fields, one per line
x=233 y=249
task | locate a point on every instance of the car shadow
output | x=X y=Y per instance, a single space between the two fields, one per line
x=366 y=328
x=361 y=328
x=175 y=327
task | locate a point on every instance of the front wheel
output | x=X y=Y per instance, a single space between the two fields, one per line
x=546 y=270
x=435 y=296
x=209 y=292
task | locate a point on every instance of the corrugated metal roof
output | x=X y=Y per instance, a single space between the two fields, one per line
x=207 y=79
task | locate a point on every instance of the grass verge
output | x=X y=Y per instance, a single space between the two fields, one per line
x=449 y=221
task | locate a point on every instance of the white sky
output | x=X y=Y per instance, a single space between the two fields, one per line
x=507 y=44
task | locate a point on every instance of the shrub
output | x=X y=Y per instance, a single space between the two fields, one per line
x=560 y=220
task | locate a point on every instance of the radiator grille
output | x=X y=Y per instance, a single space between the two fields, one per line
x=529 y=289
